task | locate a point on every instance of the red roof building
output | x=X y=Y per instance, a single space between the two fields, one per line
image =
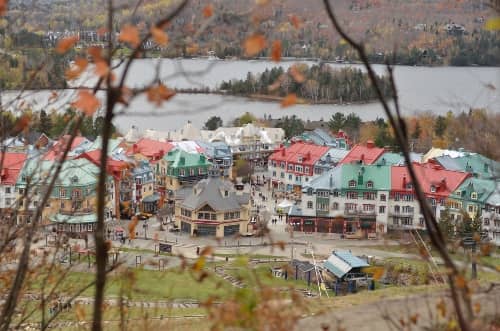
x=366 y=154
x=293 y=166
x=58 y=148
x=114 y=167
x=437 y=182
x=11 y=167
x=151 y=149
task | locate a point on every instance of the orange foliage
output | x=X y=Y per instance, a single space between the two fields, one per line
x=208 y=10
x=66 y=44
x=159 y=36
x=276 y=51
x=160 y=93
x=289 y=100
x=254 y=44
x=130 y=34
x=86 y=102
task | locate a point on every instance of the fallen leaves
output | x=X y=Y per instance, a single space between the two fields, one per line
x=130 y=34
x=160 y=93
x=66 y=44
x=87 y=102
x=254 y=44
x=276 y=51
x=289 y=100
x=159 y=36
x=208 y=11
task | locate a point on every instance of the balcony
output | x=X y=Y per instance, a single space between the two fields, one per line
x=401 y=213
x=82 y=211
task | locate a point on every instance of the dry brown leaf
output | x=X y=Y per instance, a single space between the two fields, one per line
x=66 y=44
x=130 y=34
x=208 y=250
x=101 y=69
x=296 y=74
x=254 y=44
x=3 y=6
x=276 y=51
x=96 y=53
x=159 y=36
x=289 y=100
x=160 y=93
x=86 y=102
x=76 y=69
x=208 y=10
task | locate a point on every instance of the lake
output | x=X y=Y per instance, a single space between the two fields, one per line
x=421 y=89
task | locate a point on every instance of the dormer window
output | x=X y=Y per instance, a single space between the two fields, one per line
x=352 y=183
x=369 y=184
x=433 y=189
x=409 y=186
x=62 y=193
x=473 y=195
x=301 y=159
x=226 y=193
x=74 y=179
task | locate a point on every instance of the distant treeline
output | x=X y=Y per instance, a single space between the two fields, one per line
x=316 y=84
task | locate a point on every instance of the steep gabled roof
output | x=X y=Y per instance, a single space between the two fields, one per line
x=310 y=153
x=429 y=175
x=328 y=180
x=482 y=187
x=209 y=192
x=366 y=154
x=476 y=164
x=379 y=175
x=11 y=167
x=341 y=262
x=150 y=148
x=114 y=167
x=58 y=147
x=178 y=158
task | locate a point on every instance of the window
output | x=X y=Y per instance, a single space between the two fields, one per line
x=226 y=193
x=7 y=189
x=368 y=208
x=369 y=195
x=309 y=191
x=62 y=193
x=200 y=171
x=282 y=165
x=282 y=175
x=191 y=172
x=336 y=193
x=306 y=170
x=76 y=194
x=8 y=202
x=350 y=206
x=323 y=193
x=369 y=184
x=352 y=195
x=62 y=205
x=182 y=172
x=383 y=197
x=352 y=183
x=397 y=197
x=421 y=221
x=274 y=173
x=473 y=195
x=298 y=168
x=486 y=221
x=470 y=208
x=290 y=177
x=309 y=204
x=298 y=178
x=21 y=191
x=290 y=167
x=381 y=209
x=321 y=206
x=335 y=206
x=433 y=189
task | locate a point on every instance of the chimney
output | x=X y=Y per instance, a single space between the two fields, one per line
x=370 y=144
x=331 y=181
x=162 y=152
x=283 y=152
x=404 y=181
x=135 y=148
x=362 y=159
x=308 y=156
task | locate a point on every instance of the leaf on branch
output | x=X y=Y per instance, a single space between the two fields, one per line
x=87 y=102
x=96 y=53
x=3 y=6
x=289 y=100
x=66 y=44
x=130 y=34
x=76 y=69
x=276 y=51
x=297 y=74
x=208 y=11
x=101 y=69
x=254 y=44
x=159 y=36
x=294 y=19
x=160 y=93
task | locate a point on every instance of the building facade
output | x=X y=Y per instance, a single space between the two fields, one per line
x=213 y=208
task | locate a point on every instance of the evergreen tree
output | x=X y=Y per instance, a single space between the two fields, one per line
x=213 y=123
x=440 y=126
x=45 y=123
x=336 y=122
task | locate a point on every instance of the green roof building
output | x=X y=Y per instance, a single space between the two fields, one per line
x=180 y=168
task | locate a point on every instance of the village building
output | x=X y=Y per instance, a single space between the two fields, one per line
x=145 y=199
x=437 y=184
x=363 y=154
x=12 y=163
x=213 y=208
x=470 y=198
x=491 y=216
x=289 y=168
x=476 y=164
x=349 y=199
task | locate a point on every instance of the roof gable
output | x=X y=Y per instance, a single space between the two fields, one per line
x=11 y=167
x=366 y=154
